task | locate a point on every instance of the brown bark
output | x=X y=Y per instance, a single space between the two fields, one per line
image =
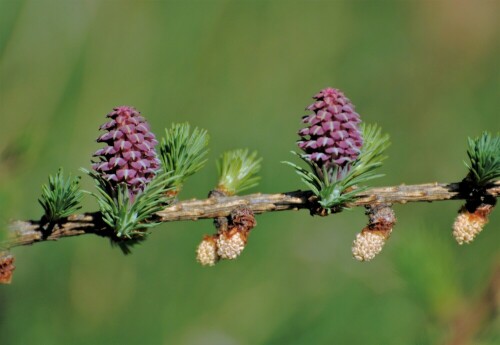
x=29 y=232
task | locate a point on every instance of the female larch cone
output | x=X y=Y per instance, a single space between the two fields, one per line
x=130 y=155
x=332 y=136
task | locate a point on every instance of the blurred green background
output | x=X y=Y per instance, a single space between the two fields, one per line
x=426 y=71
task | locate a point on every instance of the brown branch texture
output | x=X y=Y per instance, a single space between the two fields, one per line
x=32 y=231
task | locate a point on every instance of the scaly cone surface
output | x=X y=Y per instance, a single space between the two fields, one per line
x=130 y=155
x=332 y=136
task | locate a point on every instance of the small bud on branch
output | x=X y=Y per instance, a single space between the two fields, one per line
x=372 y=238
x=6 y=268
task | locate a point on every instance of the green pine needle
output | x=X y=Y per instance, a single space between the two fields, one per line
x=328 y=186
x=335 y=187
x=371 y=157
x=60 y=198
x=311 y=179
x=484 y=155
x=238 y=171
x=129 y=219
x=183 y=153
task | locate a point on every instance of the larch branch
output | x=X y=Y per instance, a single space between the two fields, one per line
x=30 y=232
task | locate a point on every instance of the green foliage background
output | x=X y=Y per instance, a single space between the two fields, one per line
x=426 y=71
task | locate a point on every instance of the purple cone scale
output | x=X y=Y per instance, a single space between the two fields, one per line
x=332 y=137
x=130 y=155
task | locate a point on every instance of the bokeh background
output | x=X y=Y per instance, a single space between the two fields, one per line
x=426 y=71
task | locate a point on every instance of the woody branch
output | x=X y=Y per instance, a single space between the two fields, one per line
x=32 y=231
